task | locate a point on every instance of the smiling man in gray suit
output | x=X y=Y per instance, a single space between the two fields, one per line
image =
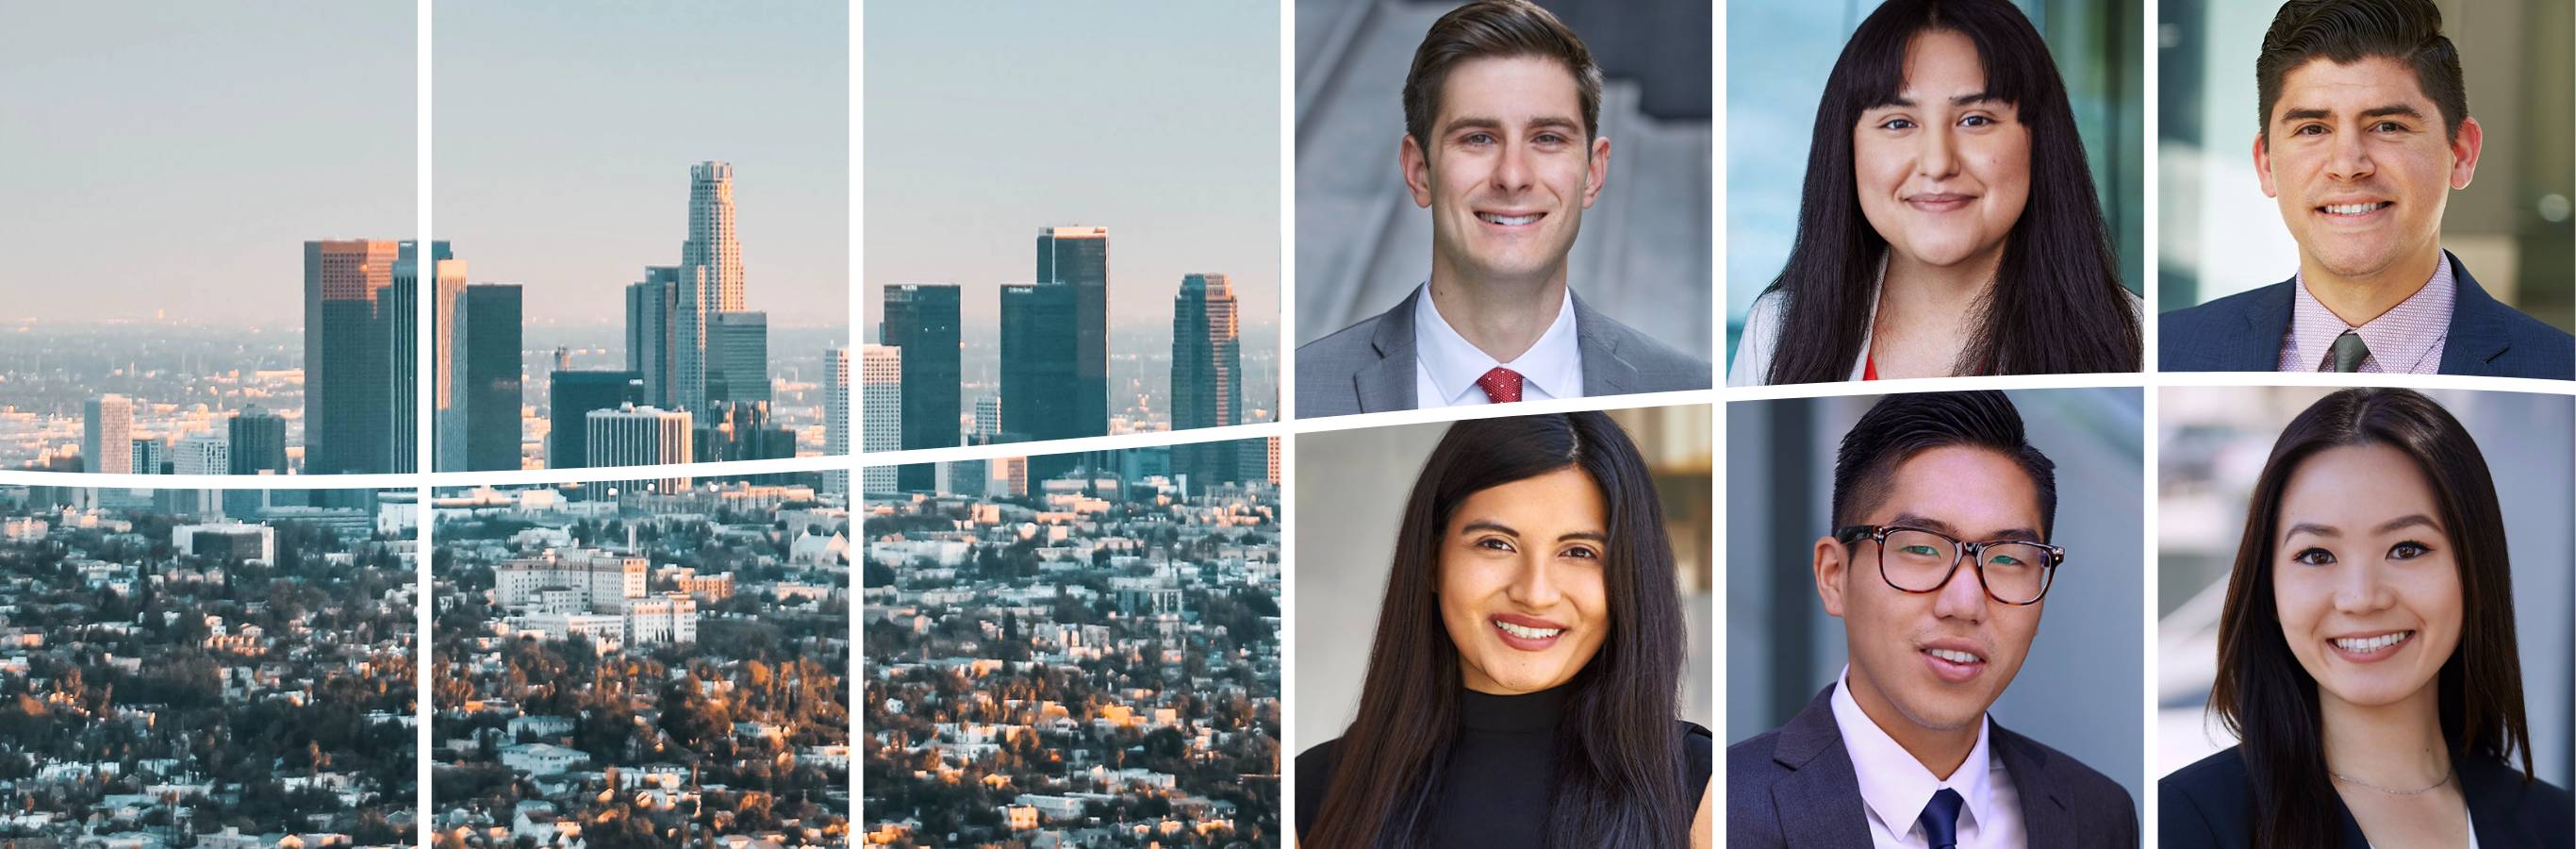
x=1938 y=564
x=1502 y=113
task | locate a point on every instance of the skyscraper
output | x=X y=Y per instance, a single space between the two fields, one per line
x=397 y=329
x=836 y=416
x=1079 y=257
x=491 y=390
x=1039 y=387
x=347 y=360
x=1207 y=377
x=150 y=454
x=881 y=400
x=258 y=442
x=640 y=436
x=672 y=317
x=201 y=454
x=988 y=417
x=922 y=319
x=107 y=435
x=570 y=397
x=738 y=358
x=651 y=307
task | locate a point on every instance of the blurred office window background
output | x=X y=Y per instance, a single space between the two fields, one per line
x=2079 y=689
x=2211 y=443
x=2218 y=235
x=1778 y=54
x=1643 y=256
x=1351 y=489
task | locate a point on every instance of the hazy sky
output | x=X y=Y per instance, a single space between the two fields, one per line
x=988 y=120
x=175 y=156
x=564 y=131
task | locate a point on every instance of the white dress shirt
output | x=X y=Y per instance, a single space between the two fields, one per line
x=1446 y=366
x=1896 y=787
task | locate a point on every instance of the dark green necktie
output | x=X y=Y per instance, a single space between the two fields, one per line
x=2349 y=351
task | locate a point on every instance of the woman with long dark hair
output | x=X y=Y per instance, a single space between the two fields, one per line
x=1522 y=688
x=1948 y=225
x=2366 y=654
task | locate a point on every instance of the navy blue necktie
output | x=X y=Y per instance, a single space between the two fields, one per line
x=1940 y=819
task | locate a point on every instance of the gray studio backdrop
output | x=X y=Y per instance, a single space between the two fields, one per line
x=1643 y=256
x=2078 y=691
x=2211 y=443
x=1351 y=487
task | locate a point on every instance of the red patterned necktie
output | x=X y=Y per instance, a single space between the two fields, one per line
x=1502 y=385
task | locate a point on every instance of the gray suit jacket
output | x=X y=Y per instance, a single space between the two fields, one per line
x=1368 y=367
x=1794 y=786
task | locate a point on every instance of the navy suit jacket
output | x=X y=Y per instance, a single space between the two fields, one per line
x=1794 y=786
x=2211 y=804
x=2243 y=332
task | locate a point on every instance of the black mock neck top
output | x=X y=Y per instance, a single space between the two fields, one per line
x=1500 y=772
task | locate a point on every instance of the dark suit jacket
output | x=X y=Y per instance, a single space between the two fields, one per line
x=2242 y=332
x=1794 y=786
x=2211 y=804
x=1368 y=367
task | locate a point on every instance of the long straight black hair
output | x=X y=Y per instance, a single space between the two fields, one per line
x=2057 y=306
x=2270 y=701
x=1616 y=782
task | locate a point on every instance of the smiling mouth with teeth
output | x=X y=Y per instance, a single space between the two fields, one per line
x=1528 y=633
x=1510 y=220
x=2354 y=208
x=1954 y=656
x=2366 y=645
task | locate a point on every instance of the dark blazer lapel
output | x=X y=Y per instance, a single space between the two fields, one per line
x=1604 y=372
x=2046 y=815
x=2258 y=348
x=1819 y=802
x=1388 y=384
x=2481 y=328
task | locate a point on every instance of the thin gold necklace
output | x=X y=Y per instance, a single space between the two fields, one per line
x=2446 y=779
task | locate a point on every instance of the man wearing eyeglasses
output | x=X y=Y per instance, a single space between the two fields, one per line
x=1938 y=562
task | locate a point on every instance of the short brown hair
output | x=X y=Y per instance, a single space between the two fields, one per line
x=1495 y=29
x=2348 y=31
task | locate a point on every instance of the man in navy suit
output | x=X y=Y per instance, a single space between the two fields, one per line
x=2365 y=134
x=1938 y=564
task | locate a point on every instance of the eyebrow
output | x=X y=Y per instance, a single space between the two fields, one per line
x=1961 y=100
x=2400 y=109
x=2410 y=520
x=1498 y=527
x=1484 y=123
x=1914 y=520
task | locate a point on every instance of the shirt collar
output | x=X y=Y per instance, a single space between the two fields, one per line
x=1553 y=364
x=1895 y=785
x=2398 y=339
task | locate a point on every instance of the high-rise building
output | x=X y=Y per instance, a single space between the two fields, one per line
x=1039 y=388
x=836 y=417
x=150 y=455
x=651 y=308
x=988 y=418
x=570 y=397
x=201 y=454
x=922 y=319
x=740 y=430
x=491 y=389
x=258 y=442
x=881 y=400
x=107 y=435
x=738 y=357
x=348 y=395
x=640 y=436
x=1078 y=257
x=672 y=316
x=1207 y=377
x=398 y=330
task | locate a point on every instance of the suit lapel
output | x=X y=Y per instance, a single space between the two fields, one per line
x=1819 y=801
x=1604 y=372
x=2046 y=817
x=2479 y=332
x=2258 y=348
x=1388 y=383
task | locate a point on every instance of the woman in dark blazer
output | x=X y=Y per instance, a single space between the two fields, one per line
x=2366 y=655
